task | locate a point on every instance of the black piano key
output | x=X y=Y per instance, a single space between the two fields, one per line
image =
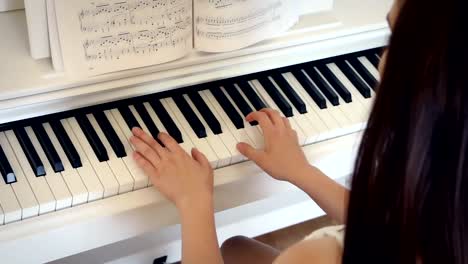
x=227 y=106
x=250 y=93
x=277 y=97
x=365 y=74
x=310 y=88
x=152 y=128
x=322 y=85
x=5 y=168
x=110 y=134
x=128 y=117
x=66 y=143
x=49 y=150
x=190 y=116
x=240 y=102
x=335 y=83
x=290 y=93
x=166 y=120
x=29 y=151
x=374 y=59
x=206 y=113
x=92 y=138
x=352 y=76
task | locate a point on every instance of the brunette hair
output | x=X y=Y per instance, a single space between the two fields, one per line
x=409 y=197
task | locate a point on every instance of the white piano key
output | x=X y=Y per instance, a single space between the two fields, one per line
x=224 y=156
x=117 y=116
x=335 y=111
x=352 y=111
x=310 y=133
x=10 y=205
x=124 y=133
x=228 y=136
x=269 y=101
x=23 y=192
x=366 y=103
x=86 y=172
x=102 y=169
x=70 y=175
x=317 y=123
x=370 y=67
x=121 y=173
x=55 y=180
x=254 y=132
x=139 y=119
x=187 y=145
x=200 y=143
x=317 y=116
x=248 y=102
x=39 y=186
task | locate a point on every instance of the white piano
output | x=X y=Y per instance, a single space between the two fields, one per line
x=69 y=191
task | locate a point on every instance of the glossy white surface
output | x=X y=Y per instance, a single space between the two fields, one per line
x=30 y=88
x=135 y=226
x=131 y=215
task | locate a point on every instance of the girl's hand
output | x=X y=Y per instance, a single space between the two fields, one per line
x=282 y=157
x=185 y=180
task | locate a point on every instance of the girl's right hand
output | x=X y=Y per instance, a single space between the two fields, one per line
x=282 y=157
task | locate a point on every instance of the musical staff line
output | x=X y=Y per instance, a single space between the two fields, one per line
x=228 y=27
x=111 y=47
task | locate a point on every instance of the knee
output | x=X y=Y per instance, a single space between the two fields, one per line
x=233 y=243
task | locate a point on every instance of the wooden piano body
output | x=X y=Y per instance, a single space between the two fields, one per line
x=139 y=226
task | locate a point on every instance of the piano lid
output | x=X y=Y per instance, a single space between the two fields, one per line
x=30 y=88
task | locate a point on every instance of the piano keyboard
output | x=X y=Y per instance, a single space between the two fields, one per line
x=63 y=160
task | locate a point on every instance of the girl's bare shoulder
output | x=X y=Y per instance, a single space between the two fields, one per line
x=320 y=251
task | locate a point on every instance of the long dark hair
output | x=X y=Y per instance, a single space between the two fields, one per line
x=409 y=197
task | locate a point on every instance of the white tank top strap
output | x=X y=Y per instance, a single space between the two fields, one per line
x=336 y=232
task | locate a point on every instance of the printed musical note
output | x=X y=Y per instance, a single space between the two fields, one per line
x=115 y=29
x=112 y=47
x=103 y=17
x=223 y=3
x=226 y=25
x=103 y=36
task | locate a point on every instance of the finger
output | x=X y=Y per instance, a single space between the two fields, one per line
x=263 y=120
x=147 y=167
x=200 y=158
x=274 y=116
x=170 y=143
x=286 y=122
x=250 y=152
x=150 y=141
x=146 y=151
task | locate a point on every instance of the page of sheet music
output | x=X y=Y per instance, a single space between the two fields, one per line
x=226 y=25
x=101 y=36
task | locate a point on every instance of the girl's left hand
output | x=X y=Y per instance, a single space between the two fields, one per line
x=185 y=180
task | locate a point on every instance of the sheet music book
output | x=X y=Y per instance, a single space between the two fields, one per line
x=92 y=37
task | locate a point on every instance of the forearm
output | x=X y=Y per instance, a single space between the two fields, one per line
x=199 y=239
x=329 y=195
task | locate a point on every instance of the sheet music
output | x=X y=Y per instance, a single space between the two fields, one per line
x=226 y=25
x=101 y=36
